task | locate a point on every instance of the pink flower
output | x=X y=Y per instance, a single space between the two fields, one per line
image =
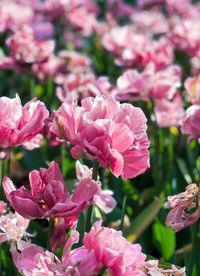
x=113 y=251
x=190 y=124
x=3 y=207
x=180 y=205
x=34 y=143
x=19 y=124
x=48 y=195
x=103 y=129
x=192 y=86
x=149 y=83
x=103 y=198
x=31 y=259
x=12 y=227
x=185 y=35
x=169 y=113
x=25 y=50
x=9 y=15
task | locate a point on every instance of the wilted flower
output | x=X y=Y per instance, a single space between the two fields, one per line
x=151 y=268
x=48 y=196
x=102 y=129
x=184 y=208
x=19 y=124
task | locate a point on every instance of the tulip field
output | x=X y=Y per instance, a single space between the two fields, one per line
x=99 y=137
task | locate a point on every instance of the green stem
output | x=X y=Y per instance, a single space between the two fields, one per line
x=32 y=88
x=89 y=214
x=123 y=214
x=51 y=225
x=63 y=152
x=194 y=260
x=101 y=273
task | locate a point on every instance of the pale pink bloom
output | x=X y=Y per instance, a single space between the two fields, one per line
x=190 y=124
x=102 y=129
x=160 y=52
x=20 y=124
x=79 y=15
x=3 y=207
x=12 y=227
x=153 y=22
x=180 y=205
x=114 y=251
x=48 y=196
x=169 y=113
x=34 y=143
x=103 y=198
x=185 y=35
x=133 y=49
x=149 y=83
x=151 y=268
x=9 y=15
x=25 y=50
x=79 y=86
x=47 y=69
x=192 y=86
x=31 y=259
x=186 y=9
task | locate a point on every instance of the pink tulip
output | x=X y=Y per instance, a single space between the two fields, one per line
x=192 y=86
x=169 y=113
x=25 y=50
x=113 y=251
x=149 y=83
x=31 y=259
x=19 y=124
x=179 y=215
x=190 y=124
x=103 y=129
x=9 y=15
x=48 y=196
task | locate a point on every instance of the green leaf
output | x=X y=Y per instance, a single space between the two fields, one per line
x=143 y=220
x=164 y=240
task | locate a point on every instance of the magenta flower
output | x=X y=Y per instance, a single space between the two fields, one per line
x=19 y=124
x=48 y=196
x=190 y=124
x=102 y=129
x=181 y=206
